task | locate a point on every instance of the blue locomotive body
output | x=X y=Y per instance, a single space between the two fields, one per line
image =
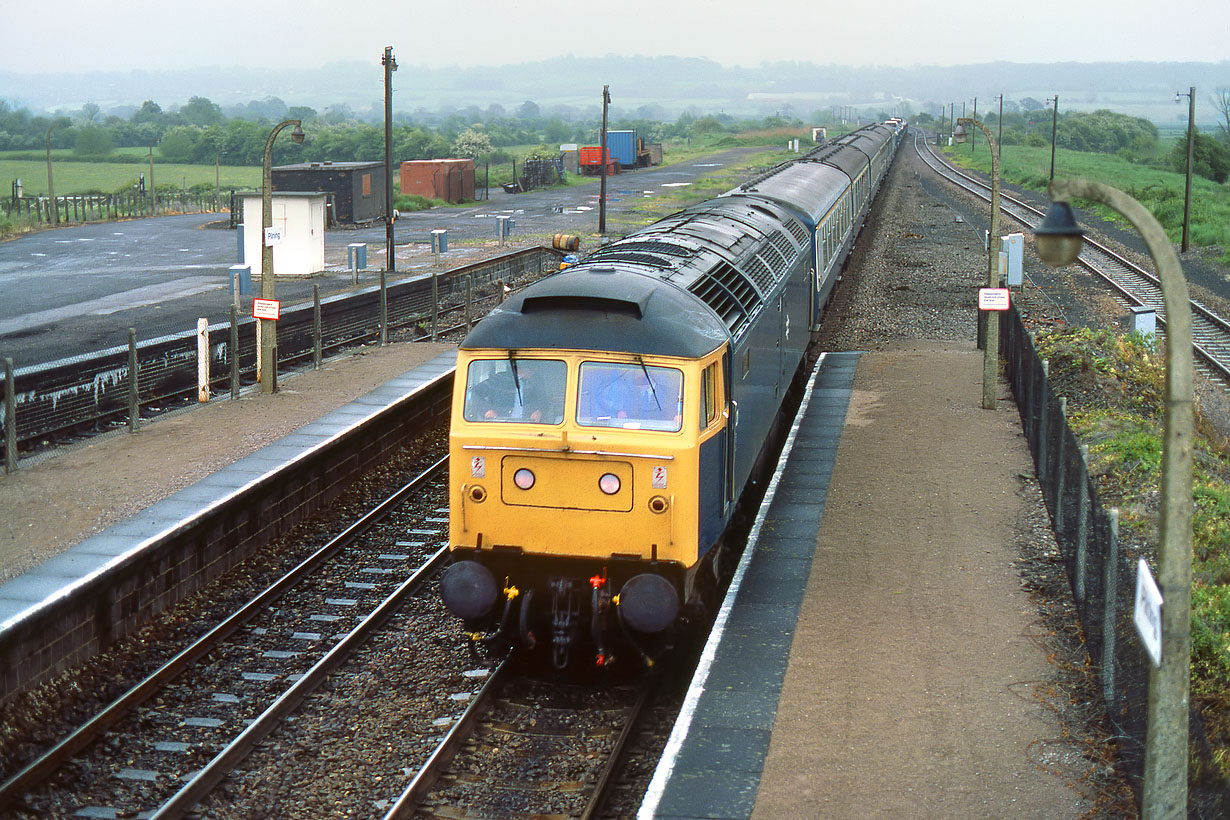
x=609 y=518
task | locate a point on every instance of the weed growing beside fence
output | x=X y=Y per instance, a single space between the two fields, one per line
x=1115 y=389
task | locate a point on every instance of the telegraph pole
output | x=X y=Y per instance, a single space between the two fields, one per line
x=1191 y=144
x=390 y=65
x=606 y=100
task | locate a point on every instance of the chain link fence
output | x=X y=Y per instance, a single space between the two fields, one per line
x=81 y=393
x=1101 y=571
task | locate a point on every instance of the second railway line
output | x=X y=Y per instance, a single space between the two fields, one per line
x=1131 y=283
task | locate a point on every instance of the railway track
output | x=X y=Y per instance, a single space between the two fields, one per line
x=529 y=748
x=162 y=747
x=1132 y=284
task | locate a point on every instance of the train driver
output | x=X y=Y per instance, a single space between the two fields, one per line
x=531 y=392
x=631 y=396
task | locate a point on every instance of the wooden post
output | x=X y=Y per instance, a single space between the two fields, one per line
x=234 y=352
x=134 y=404
x=10 y=418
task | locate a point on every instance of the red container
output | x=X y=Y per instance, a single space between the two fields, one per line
x=449 y=179
x=592 y=155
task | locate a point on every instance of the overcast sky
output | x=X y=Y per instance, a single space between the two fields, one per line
x=75 y=35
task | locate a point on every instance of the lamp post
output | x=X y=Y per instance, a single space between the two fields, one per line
x=1191 y=144
x=1058 y=241
x=1054 y=123
x=51 y=188
x=990 y=359
x=267 y=364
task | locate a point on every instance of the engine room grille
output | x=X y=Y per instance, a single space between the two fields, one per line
x=730 y=295
x=622 y=255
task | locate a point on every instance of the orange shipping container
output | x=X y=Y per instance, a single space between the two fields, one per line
x=449 y=179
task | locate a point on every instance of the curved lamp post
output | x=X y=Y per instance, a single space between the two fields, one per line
x=990 y=359
x=267 y=363
x=51 y=188
x=1058 y=240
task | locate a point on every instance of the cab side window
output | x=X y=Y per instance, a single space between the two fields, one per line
x=708 y=395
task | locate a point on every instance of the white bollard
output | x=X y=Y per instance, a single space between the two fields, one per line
x=202 y=360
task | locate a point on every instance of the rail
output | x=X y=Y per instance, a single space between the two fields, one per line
x=1134 y=284
x=317 y=565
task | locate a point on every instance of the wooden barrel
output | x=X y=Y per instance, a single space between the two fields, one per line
x=566 y=242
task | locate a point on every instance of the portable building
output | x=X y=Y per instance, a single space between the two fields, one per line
x=299 y=221
x=449 y=179
x=355 y=189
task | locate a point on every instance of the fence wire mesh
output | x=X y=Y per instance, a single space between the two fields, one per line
x=90 y=389
x=1101 y=572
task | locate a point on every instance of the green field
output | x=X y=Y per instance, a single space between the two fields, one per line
x=1158 y=190
x=115 y=177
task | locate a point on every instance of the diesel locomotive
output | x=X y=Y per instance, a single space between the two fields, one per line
x=607 y=418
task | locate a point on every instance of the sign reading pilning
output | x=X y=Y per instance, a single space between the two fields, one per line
x=273 y=236
x=266 y=309
x=993 y=299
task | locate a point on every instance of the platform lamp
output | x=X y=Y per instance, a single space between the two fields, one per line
x=1058 y=240
x=266 y=329
x=990 y=360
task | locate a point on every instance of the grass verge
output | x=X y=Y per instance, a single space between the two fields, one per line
x=1116 y=402
x=1158 y=190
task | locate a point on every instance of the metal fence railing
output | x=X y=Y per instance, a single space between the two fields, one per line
x=1101 y=570
x=82 y=390
x=104 y=207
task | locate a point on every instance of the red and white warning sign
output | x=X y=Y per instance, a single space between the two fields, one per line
x=266 y=309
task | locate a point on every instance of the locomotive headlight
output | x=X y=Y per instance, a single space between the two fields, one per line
x=523 y=478
x=609 y=484
x=477 y=494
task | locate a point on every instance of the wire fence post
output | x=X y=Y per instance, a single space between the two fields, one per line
x=1082 y=527
x=134 y=405
x=10 y=419
x=384 y=308
x=1042 y=408
x=469 y=300
x=1111 y=573
x=1061 y=468
x=435 y=303
x=234 y=352
x=316 y=333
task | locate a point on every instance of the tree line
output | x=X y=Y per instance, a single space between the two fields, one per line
x=1106 y=132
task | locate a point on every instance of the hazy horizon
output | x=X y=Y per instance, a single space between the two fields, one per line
x=156 y=36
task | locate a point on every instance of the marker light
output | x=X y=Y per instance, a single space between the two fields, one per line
x=523 y=478
x=609 y=484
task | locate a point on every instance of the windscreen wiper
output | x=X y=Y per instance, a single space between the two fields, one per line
x=512 y=363
x=645 y=370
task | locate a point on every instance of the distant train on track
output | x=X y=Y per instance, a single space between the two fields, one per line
x=606 y=419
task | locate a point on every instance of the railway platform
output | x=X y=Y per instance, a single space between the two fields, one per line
x=875 y=657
